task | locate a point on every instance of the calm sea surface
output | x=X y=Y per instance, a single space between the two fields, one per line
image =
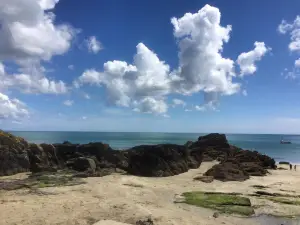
x=264 y=143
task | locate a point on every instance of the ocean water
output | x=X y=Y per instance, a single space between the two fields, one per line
x=264 y=143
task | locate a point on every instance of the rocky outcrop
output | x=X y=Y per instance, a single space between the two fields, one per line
x=13 y=154
x=214 y=147
x=42 y=158
x=161 y=160
x=99 y=159
x=228 y=171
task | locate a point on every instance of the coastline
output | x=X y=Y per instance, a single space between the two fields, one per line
x=73 y=184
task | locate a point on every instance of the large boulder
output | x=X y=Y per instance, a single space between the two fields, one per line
x=158 y=160
x=214 y=147
x=83 y=164
x=42 y=158
x=13 y=154
x=214 y=140
x=228 y=171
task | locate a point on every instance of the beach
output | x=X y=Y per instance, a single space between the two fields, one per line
x=126 y=199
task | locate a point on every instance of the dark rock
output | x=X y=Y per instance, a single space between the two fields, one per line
x=253 y=156
x=42 y=159
x=205 y=179
x=227 y=171
x=84 y=164
x=214 y=147
x=159 y=160
x=214 y=140
x=149 y=221
x=13 y=154
x=216 y=215
x=253 y=169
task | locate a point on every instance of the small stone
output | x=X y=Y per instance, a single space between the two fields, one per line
x=216 y=215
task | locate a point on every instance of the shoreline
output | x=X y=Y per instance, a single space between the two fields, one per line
x=91 y=182
x=126 y=198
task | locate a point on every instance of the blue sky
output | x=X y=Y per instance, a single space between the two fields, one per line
x=169 y=66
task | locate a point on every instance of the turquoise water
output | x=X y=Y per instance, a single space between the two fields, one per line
x=264 y=143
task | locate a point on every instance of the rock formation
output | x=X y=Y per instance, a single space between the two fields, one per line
x=97 y=159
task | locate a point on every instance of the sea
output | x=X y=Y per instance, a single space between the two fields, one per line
x=268 y=144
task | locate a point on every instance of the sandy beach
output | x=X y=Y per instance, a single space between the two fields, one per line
x=126 y=199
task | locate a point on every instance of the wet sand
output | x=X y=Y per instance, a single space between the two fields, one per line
x=126 y=199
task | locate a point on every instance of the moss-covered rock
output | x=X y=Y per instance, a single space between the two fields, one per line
x=223 y=202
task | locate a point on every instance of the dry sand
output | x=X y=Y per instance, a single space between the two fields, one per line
x=126 y=199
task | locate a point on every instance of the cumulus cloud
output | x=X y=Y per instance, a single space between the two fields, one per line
x=12 y=108
x=201 y=66
x=178 y=102
x=144 y=84
x=140 y=85
x=68 y=102
x=151 y=105
x=293 y=29
x=29 y=35
x=93 y=45
x=28 y=30
x=31 y=81
x=246 y=60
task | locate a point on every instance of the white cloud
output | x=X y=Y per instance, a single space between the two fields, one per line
x=93 y=45
x=210 y=106
x=71 y=67
x=246 y=60
x=151 y=105
x=68 y=102
x=48 y=4
x=35 y=82
x=144 y=84
x=29 y=35
x=201 y=65
x=12 y=108
x=28 y=30
x=294 y=31
x=178 y=102
x=297 y=63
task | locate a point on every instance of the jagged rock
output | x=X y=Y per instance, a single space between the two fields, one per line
x=158 y=160
x=227 y=171
x=42 y=159
x=13 y=154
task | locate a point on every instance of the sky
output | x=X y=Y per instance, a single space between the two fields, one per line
x=150 y=66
